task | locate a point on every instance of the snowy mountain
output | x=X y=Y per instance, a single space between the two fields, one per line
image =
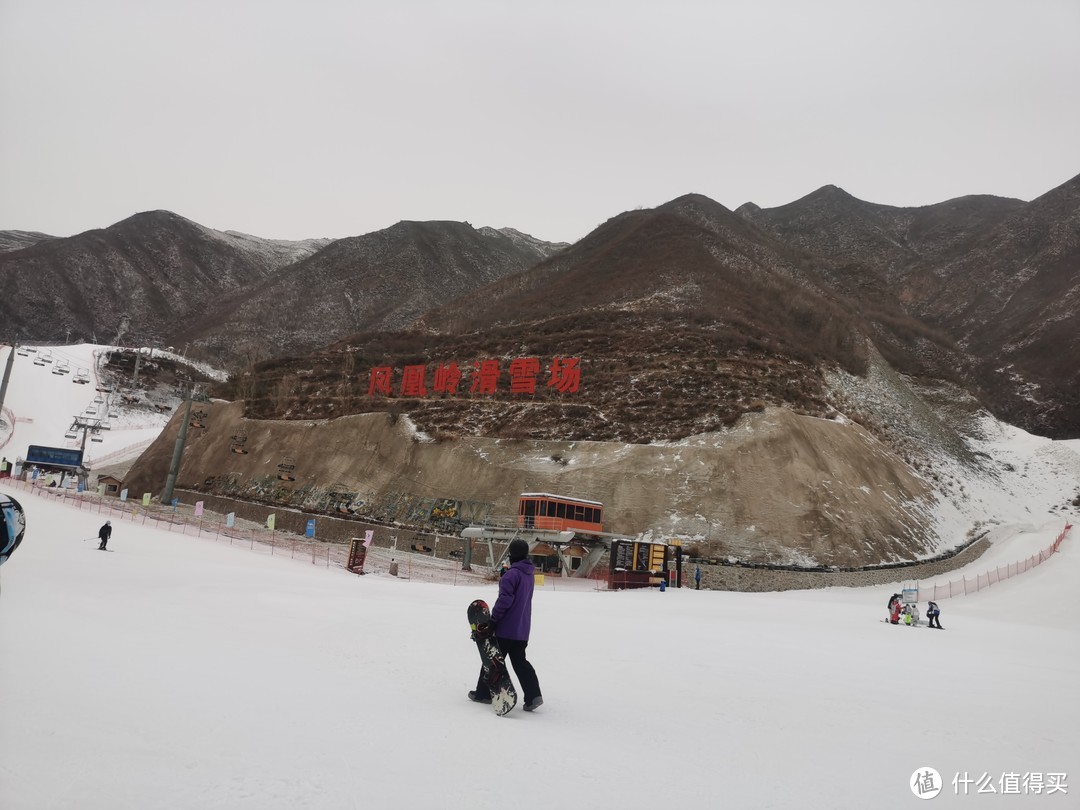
x=379 y=281
x=160 y=279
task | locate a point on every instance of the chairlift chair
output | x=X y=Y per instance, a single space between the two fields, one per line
x=22 y=352
x=71 y=434
x=96 y=438
x=47 y=357
x=38 y=361
x=99 y=399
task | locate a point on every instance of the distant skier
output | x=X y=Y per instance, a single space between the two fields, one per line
x=932 y=614
x=894 y=608
x=104 y=533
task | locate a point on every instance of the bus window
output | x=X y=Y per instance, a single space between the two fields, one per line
x=560 y=510
x=543 y=508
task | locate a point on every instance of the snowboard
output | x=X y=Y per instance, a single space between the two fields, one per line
x=503 y=694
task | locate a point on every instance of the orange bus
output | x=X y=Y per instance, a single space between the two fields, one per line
x=541 y=510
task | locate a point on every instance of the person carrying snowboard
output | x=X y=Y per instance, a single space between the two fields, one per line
x=511 y=620
x=104 y=533
x=932 y=614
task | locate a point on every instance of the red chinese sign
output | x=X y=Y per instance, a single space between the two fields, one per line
x=563 y=374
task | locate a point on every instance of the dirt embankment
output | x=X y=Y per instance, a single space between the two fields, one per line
x=777 y=487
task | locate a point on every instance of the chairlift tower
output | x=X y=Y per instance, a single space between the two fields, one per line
x=87 y=426
x=188 y=389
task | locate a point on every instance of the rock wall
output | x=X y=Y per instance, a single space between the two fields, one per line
x=737 y=578
x=777 y=487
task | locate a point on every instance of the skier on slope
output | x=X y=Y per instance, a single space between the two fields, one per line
x=932 y=614
x=104 y=533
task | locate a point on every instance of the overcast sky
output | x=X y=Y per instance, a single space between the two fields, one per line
x=320 y=118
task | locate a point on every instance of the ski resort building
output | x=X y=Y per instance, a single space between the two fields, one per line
x=566 y=538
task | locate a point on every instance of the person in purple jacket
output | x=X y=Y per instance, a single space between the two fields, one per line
x=511 y=618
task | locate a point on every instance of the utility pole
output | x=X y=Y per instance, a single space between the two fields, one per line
x=178 y=449
x=120 y=330
x=4 y=384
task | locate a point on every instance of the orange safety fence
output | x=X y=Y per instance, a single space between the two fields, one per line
x=965 y=585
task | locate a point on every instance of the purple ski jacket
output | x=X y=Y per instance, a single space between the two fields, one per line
x=512 y=613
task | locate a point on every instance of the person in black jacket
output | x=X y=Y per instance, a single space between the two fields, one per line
x=932 y=613
x=104 y=533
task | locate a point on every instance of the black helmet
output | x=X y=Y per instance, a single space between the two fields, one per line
x=518 y=550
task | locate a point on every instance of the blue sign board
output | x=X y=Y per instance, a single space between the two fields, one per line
x=310 y=531
x=53 y=456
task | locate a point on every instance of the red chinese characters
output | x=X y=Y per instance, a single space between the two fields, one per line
x=565 y=374
x=523 y=371
x=381 y=380
x=564 y=377
x=412 y=381
x=447 y=379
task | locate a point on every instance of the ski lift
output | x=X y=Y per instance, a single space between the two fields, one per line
x=91 y=409
x=22 y=352
x=99 y=399
x=63 y=367
x=71 y=434
x=112 y=413
x=96 y=438
x=46 y=358
x=82 y=376
x=38 y=361
x=105 y=425
x=58 y=370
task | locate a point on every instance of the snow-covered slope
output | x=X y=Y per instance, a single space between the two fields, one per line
x=183 y=672
x=41 y=405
